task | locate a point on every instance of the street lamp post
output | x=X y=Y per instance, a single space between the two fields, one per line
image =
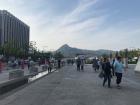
x=44 y=51
x=126 y=58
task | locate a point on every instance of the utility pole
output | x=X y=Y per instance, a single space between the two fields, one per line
x=126 y=58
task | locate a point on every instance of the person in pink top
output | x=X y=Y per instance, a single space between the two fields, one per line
x=22 y=64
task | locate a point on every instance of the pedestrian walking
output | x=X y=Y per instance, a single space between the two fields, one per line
x=78 y=61
x=101 y=63
x=95 y=64
x=28 y=64
x=107 y=72
x=22 y=64
x=98 y=64
x=82 y=64
x=119 y=68
x=49 y=66
x=59 y=63
x=72 y=62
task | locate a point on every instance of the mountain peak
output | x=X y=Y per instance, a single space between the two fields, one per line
x=68 y=51
x=65 y=46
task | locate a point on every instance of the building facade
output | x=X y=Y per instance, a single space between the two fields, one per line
x=13 y=31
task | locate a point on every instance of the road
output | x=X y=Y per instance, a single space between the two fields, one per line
x=70 y=87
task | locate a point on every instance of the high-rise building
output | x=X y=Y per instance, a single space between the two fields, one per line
x=13 y=31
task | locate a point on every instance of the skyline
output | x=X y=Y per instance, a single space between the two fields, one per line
x=86 y=24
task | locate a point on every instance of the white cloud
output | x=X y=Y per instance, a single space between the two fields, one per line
x=62 y=30
x=115 y=37
x=54 y=31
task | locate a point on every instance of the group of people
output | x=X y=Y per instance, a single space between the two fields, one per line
x=12 y=63
x=70 y=61
x=110 y=69
x=80 y=64
x=49 y=65
x=17 y=63
x=96 y=64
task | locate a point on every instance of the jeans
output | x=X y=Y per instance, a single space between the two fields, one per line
x=107 y=77
x=119 y=78
x=82 y=67
x=78 y=67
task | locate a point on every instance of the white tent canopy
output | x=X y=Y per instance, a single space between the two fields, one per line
x=138 y=66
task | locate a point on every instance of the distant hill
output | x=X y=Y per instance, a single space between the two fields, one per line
x=68 y=51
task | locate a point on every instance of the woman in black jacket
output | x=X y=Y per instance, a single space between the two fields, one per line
x=107 y=72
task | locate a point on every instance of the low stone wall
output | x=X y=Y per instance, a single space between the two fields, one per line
x=16 y=74
x=12 y=84
x=44 y=67
x=33 y=70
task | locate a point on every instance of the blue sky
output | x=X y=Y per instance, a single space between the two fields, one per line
x=87 y=24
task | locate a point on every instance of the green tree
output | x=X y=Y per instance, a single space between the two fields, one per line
x=58 y=55
x=10 y=49
x=105 y=55
x=1 y=50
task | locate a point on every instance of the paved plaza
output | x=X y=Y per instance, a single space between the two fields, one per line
x=67 y=86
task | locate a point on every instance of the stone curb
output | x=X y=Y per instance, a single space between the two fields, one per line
x=12 y=84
